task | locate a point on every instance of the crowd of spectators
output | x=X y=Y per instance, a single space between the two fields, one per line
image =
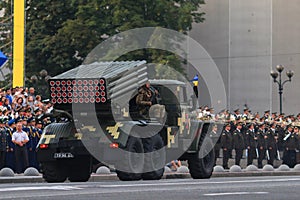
x=21 y=105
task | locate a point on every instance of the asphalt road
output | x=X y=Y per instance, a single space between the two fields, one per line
x=283 y=187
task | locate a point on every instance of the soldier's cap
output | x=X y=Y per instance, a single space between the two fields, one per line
x=272 y=124
x=267 y=111
x=250 y=124
x=5 y=119
x=31 y=119
x=274 y=113
x=236 y=110
x=239 y=124
x=246 y=109
x=227 y=124
x=298 y=115
x=23 y=119
x=262 y=124
x=282 y=114
x=39 y=122
x=290 y=126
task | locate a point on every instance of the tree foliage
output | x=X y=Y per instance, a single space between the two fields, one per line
x=60 y=34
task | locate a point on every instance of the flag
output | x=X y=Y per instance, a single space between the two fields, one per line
x=3 y=59
x=195 y=82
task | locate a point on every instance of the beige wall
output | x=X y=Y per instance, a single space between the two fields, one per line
x=247 y=38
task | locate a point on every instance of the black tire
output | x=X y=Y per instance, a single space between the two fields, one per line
x=80 y=170
x=53 y=172
x=201 y=164
x=156 y=158
x=131 y=166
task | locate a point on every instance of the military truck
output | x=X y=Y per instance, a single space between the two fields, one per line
x=96 y=120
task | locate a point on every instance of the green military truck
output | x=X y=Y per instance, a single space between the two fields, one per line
x=97 y=121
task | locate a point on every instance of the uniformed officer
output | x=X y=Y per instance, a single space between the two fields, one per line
x=31 y=145
x=3 y=144
x=238 y=143
x=216 y=140
x=10 y=149
x=251 y=144
x=226 y=144
x=261 y=145
x=271 y=141
x=290 y=143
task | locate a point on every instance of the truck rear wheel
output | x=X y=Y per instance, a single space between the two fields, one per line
x=53 y=172
x=155 y=160
x=201 y=164
x=80 y=171
x=132 y=165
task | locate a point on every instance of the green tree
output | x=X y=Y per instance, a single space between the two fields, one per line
x=61 y=33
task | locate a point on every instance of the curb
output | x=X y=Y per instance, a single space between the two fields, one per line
x=175 y=175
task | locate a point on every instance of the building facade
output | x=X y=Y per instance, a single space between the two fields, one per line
x=246 y=39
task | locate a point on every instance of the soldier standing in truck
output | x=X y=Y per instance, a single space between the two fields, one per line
x=144 y=100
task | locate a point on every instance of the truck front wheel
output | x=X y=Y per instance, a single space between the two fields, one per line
x=201 y=164
x=130 y=168
x=80 y=170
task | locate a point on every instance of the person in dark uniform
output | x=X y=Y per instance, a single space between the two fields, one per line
x=39 y=131
x=261 y=145
x=144 y=100
x=31 y=145
x=271 y=140
x=238 y=143
x=10 y=149
x=226 y=144
x=3 y=144
x=251 y=144
x=215 y=136
x=290 y=143
x=281 y=132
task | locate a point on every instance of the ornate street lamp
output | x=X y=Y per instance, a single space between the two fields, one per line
x=275 y=74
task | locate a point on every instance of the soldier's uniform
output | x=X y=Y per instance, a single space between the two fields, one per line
x=3 y=144
x=238 y=144
x=226 y=144
x=251 y=144
x=10 y=149
x=144 y=101
x=261 y=145
x=290 y=143
x=31 y=145
x=271 y=140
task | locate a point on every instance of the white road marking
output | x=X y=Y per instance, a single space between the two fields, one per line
x=234 y=193
x=39 y=188
x=199 y=183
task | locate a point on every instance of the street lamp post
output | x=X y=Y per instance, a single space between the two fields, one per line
x=275 y=74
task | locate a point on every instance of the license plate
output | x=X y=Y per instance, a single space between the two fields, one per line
x=63 y=155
